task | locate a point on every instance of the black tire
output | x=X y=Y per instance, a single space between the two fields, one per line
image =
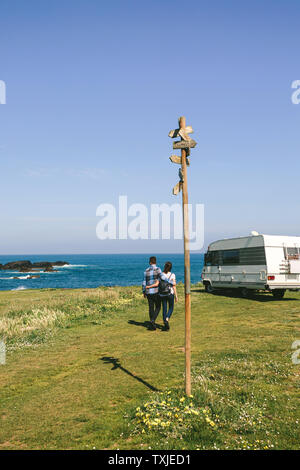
x=278 y=293
x=245 y=293
x=209 y=288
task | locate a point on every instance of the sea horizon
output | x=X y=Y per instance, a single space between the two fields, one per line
x=109 y=254
x=92 y=270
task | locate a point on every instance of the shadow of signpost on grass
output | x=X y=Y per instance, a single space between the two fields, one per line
x=116 y=365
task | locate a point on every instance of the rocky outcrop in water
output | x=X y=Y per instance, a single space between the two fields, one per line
x=26 y=265
x=17 y=265
x=49 y=269
x=42 y=264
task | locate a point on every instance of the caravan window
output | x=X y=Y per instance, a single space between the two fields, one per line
x=211 y=258
x=215 y=259
x=292 y=253
x=207 y=258
x=253 y=256
x=230 y=257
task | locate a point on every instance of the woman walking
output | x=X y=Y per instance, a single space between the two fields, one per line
x=167 y=293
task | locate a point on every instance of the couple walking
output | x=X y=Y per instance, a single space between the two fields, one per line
x=160 y=288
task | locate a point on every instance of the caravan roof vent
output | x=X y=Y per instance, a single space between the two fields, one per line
x=254 y=233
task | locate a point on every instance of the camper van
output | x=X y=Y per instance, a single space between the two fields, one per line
x=257 y=262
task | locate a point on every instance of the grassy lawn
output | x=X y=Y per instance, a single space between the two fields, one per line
x=83 y=371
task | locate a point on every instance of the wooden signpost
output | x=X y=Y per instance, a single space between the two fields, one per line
x=175 y=132
x=177 y=188
x=185 y=144
x=177 y=159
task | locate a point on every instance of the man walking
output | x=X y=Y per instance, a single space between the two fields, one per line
x=151 y=275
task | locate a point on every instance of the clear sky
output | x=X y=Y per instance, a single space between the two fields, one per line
x=93 y=89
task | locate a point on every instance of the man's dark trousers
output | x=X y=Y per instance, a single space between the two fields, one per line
x=154 y=302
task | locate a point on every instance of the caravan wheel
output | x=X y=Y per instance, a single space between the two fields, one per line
x=278 y=293
x=245 y=292
x=209 y=288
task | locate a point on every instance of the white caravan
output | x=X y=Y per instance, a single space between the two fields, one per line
x=257 y=262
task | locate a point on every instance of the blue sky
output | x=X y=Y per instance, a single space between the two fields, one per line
x=93 y=89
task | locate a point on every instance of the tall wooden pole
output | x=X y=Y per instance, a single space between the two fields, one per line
x=187 y=271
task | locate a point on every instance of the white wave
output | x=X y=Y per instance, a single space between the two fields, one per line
x=29 y=272
x=20 y=288
x=19 y=277
x=71 y=266
x=52 y=272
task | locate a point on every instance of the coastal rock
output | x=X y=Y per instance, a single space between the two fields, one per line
x=42 y=264
x=26 y=266
x=17 y=265
x=49 y=269
x=25 y=269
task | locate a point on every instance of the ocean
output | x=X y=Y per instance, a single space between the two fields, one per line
x=94 y=270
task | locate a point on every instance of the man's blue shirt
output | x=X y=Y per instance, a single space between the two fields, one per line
x=151 y=275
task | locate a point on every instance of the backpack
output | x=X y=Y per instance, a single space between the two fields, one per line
x=164 y=287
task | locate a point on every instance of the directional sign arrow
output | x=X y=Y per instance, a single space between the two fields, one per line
x=177 y=159
x=177 y=188
x=175 y=132
x=183 y=144
x=184 y=135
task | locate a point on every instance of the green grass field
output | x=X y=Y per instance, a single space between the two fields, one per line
x=83 y=372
